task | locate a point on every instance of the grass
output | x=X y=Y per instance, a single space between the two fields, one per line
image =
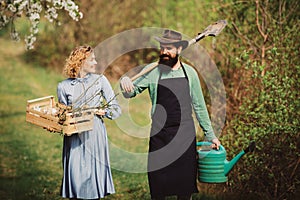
x=30 y=158
x=30 y=166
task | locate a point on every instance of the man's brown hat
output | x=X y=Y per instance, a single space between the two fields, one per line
x=172 y=37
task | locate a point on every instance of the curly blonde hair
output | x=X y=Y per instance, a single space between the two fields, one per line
x=75 y=60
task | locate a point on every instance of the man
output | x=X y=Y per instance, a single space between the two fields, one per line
x=175 y=91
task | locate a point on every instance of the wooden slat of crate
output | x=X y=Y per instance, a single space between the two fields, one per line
x=84 y=117
x=42 y=99
x=42 y=102
x=43 y=122
x=77 y=128
x=78 y=124
x=42 y=115
x=71 y=125
x=42 y=119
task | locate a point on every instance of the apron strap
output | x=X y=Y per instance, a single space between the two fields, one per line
x=185 y=74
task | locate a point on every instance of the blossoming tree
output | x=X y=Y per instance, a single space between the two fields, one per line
x=32 y=9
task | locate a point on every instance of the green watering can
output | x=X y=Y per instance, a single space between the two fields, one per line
x=212 y=164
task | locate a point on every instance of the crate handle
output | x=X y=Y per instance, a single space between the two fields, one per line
x=40 y=99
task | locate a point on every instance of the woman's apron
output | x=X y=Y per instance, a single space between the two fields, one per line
x=172 y=162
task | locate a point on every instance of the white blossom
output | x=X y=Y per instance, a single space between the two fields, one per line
x=34 y=17
x=51 y=14
x=3 y=21
x=17 y=1
x=12 y=8
x=33 y=10
x=15 y=36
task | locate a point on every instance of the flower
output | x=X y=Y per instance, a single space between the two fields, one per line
x=33 y=9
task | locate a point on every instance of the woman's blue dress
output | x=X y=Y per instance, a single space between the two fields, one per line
x=86 y=165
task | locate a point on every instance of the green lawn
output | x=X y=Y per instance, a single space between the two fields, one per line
x=30 y=166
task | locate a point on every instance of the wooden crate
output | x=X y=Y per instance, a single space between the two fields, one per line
x=44 y=112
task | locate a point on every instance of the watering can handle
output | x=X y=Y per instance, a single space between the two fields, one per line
x=250 y=148
x=208 y=144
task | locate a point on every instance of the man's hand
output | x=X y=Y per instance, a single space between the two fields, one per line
x=127 y=84
x=215 y=143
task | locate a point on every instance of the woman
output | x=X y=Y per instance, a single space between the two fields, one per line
x=87 y=173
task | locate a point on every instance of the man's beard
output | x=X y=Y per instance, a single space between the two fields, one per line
x=167 y=64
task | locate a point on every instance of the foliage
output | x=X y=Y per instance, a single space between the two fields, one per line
x=30 y=157
x=257 y=55
x=32 y=9
x=267 y=98
x=103 y=19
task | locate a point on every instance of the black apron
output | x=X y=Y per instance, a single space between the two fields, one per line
x=172 y=161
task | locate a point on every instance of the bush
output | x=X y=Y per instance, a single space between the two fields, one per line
x=262 y=81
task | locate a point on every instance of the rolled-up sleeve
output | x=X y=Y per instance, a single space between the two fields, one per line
x=200 y=108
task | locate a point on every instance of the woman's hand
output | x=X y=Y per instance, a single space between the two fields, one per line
x=100 y=112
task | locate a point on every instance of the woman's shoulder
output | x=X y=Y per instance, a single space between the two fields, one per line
x=73 y=81
x=97 y=77
x=67 y=81
x=64 y=85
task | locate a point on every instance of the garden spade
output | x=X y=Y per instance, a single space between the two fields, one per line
x=212 y=30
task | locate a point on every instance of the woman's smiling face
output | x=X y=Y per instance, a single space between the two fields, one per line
x=89 y=65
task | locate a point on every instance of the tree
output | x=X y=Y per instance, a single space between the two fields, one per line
x=263 y=88
x=10 y=10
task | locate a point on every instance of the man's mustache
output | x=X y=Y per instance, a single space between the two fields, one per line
x=164 y=56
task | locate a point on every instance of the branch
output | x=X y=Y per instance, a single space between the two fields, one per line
x=265 y=36
x=244 y=38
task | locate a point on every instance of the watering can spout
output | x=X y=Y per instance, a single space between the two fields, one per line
x=229 y=164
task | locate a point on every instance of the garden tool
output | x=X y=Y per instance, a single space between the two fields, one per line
x=212 y=164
